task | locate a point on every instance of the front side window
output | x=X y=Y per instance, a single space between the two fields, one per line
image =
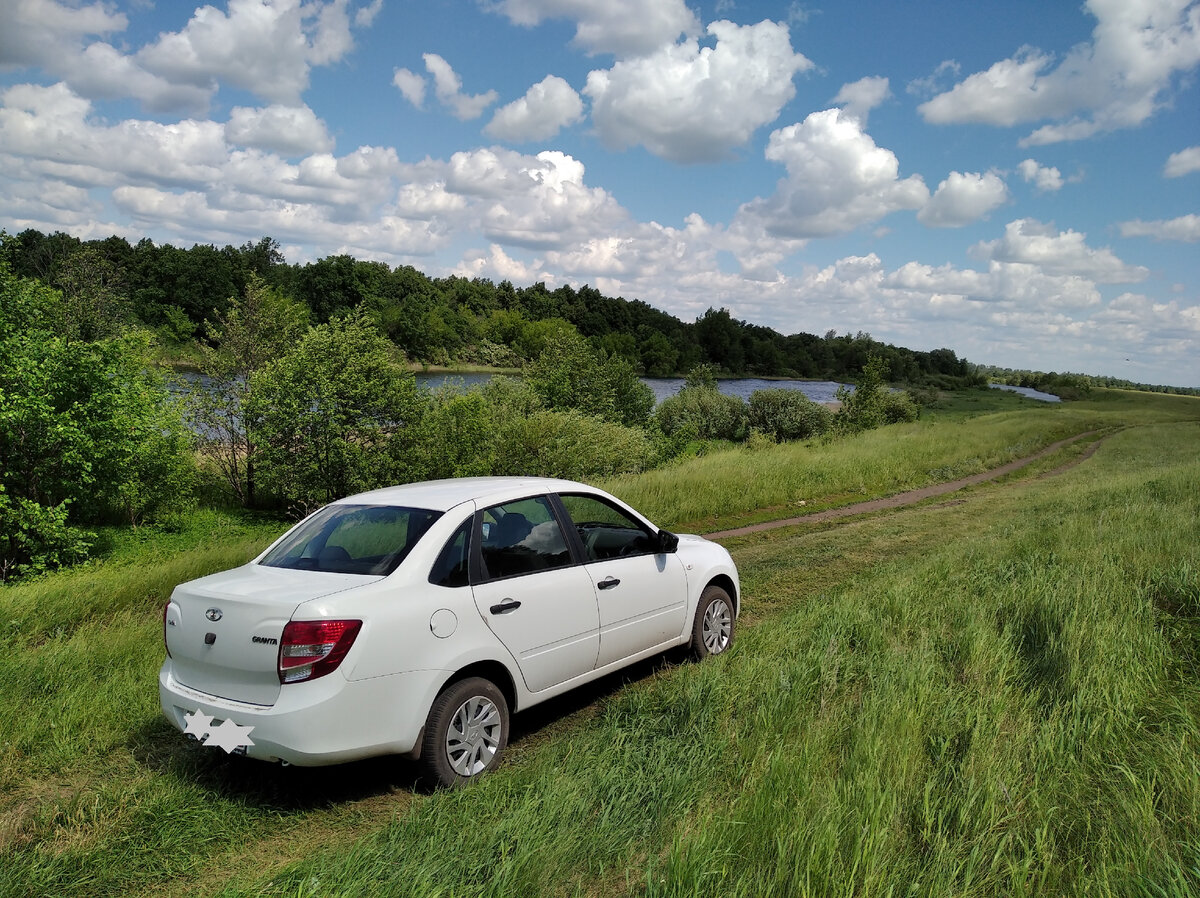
x=353 y=539
x=522 y=537
x=605 y=530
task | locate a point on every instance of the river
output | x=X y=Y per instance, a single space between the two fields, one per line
x=816 y=390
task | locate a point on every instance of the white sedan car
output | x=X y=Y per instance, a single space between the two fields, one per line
x=414 y=619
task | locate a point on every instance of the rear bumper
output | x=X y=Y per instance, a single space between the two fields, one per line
x=327 y=721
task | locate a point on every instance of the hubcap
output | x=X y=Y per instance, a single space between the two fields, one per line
x=716 y=627
x=474 y=736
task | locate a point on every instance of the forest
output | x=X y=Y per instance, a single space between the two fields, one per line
x=450 y=321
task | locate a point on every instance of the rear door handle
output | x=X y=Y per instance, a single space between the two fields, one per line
x=505 y=607
x=609 y=583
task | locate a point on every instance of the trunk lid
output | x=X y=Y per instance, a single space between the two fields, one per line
x=223 y=631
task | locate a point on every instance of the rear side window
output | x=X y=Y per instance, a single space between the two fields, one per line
x=451 y=569
x=353 y=539
x=521 y=538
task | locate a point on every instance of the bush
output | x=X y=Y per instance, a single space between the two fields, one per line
x=457 y=436
x=898 y=407
x=788 y=414
x=758 y=440
x=569 y=444
x=705 y=413
x=35 y=538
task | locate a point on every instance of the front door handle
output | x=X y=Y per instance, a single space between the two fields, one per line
x=505 y=607
x=609 y=583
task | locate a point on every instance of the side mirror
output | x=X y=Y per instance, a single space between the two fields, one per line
x=667 y=542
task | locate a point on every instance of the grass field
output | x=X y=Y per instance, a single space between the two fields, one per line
x=993 y=695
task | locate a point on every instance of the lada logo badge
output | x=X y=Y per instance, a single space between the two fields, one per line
x=213 y=614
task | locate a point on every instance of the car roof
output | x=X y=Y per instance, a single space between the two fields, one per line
x=442 y=495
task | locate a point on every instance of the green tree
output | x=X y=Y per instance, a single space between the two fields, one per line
x=259 y=326
x=570 y=374
x=95 y=302
x=334 y=416
x=871 y=404
x=87 y=432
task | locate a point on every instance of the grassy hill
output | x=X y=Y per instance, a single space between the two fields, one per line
x=992 y=693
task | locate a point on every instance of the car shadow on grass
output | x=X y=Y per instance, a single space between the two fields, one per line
x=159 y=747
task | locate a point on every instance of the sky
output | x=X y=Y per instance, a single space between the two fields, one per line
x=1017 y=180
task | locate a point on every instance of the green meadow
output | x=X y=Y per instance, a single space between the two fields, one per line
x=993 y=693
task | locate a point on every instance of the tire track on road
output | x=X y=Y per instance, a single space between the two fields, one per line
x=911 y=497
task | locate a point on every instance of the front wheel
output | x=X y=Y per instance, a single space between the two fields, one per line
x=712 y=630
x=465 y=733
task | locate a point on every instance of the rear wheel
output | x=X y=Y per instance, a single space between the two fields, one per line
x=465 y=733
x=712 y=630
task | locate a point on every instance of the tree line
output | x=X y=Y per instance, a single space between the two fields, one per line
x=435 y=321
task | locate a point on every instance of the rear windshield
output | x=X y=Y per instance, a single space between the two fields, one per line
x=353 y=539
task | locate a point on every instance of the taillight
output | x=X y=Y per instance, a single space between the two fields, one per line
x=313 y=648
x=166 y=608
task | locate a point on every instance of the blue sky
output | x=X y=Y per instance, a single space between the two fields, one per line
x=1019 y=181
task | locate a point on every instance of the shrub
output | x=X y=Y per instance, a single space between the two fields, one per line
x=898 y=407
x=706 y=413
x=758 y=440
x=457 y=436
x=788 y=414
x=569 y=444
x=35 y=538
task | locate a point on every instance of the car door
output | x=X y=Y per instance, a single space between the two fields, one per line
x=641 y=593
x=534 y=597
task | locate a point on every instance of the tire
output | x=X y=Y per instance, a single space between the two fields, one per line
x=712 y=630
x=466 y=732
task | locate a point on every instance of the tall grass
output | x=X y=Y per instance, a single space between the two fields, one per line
x=993 y=698
x=1015 y=713
x=735 y=486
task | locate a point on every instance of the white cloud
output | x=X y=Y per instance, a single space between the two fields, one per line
x=539 y=201
x=289 y=130
x=1182 y=163
x=51 y=36
x=39 y=32
x=547 y=107
x=50 y=126
x=837 y=180
x=191 y=177
x=411 y=85
x=622 y=27
x=364 y=16
x=935 y=82
x=448 y=88
x=1031 y=242
x=1046 y=179
x=1118 y=80
x=267 y=47
x=498 y=265
x=860 y=97
x=1186 y=228
x=688 y=103
x=963 y=198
